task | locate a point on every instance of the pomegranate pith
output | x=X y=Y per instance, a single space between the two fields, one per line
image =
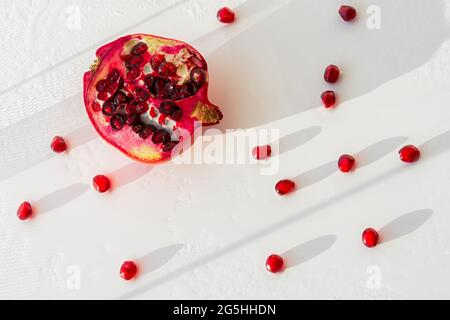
x=24 y=211
x=409 y=154
x=274 y=263
x=346 y=163
x=331 y=74
x=262 y=152
x=348 y=13
x=132 y=76
x=370 y=237
x=128 y=270
x=58 y=144
x=101 y=183
x=226 y=15
x=284 y=186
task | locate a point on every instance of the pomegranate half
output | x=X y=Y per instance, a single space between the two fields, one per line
x=144 y=93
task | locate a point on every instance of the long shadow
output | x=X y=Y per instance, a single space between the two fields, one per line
x=296 y=139
x=129 y=173
x=158 y=258
x=93 y=46
x=404 y=225
x=308 y=250
x=264 y=55
x=60 y=197
x=364 y=158
x=435 y=146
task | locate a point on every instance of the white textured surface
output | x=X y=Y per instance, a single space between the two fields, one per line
x=204 y=231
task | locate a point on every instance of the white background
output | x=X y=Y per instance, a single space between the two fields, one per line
x=204 y=231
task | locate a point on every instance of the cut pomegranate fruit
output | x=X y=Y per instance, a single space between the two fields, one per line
x=274 y=263
x=226 y=15
x=101 y=183
x=331 y=74
x=58 y=144
x=128 y=270
x=346 y=163
x=370 y=237
x=24 y=211
x=284 y=187
x=142 y=85
x=409 y=153
x=348 y=13
x=262 y=152
x=328 y=99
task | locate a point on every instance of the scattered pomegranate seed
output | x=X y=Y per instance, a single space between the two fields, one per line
x=24 y=211
x=328 y=98
x=274 y=263
x=128 y=270
x=95 y=106
x=58 y=144
x=347 y=13
x=346 y=163
x=331 y=74
x=101 y=183
x=226 y=15
x=262 y=152
x=409 y=153
x=284 y=186
x=370 y=237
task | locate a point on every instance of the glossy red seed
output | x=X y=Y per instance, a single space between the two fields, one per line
x=328 y=99
x=102 y=85
x=409 y=153
x=156 y=61
x=226 y=15
x=142 y=107
x=58 y=144
x=262 y=152
x=198 y=76
x=139 y=48
x=346 y=163
x=24 y=211
x=370 y=237
x=347 y=13
x=128 y=270
x=284 y=186
x=101 y=183
x=95 y=106
x=331 y=74
x=102 y=96
x=167 y=69
x=274 y=263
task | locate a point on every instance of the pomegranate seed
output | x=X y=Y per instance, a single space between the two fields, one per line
x=346 y=163
x=102 y=86
x=116 y=122
x=149 y=81
x=134 y=62
x=139 y=49
x=146 y=132
x=157 y=60
x=142 y=94
x=128 y=270
x=130 y=109
x=274 y=263
x=113 y=76
x=162 y=119
x=95 y=106
x=177 y=115
x=108 y=108
x=226 y=15
x=137 y=128
x=409 y=153
x=284 y=186
x=58 y=144
x=133 y=119
x=328 y=99
x=24 y=211
x=347 y=13
x=167 y=69
x=198 y=76
x=142 y=107
x=102 y=96
x=161 y=136
x=152 y=112
x=101 y=183
x=262 y=152
x=133 y=74
x=370 y=237
x=331 y=74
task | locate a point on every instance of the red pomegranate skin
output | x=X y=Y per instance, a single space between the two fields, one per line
x=132 y=65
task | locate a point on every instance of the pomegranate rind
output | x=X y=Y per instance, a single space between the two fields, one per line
x=195 y=108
